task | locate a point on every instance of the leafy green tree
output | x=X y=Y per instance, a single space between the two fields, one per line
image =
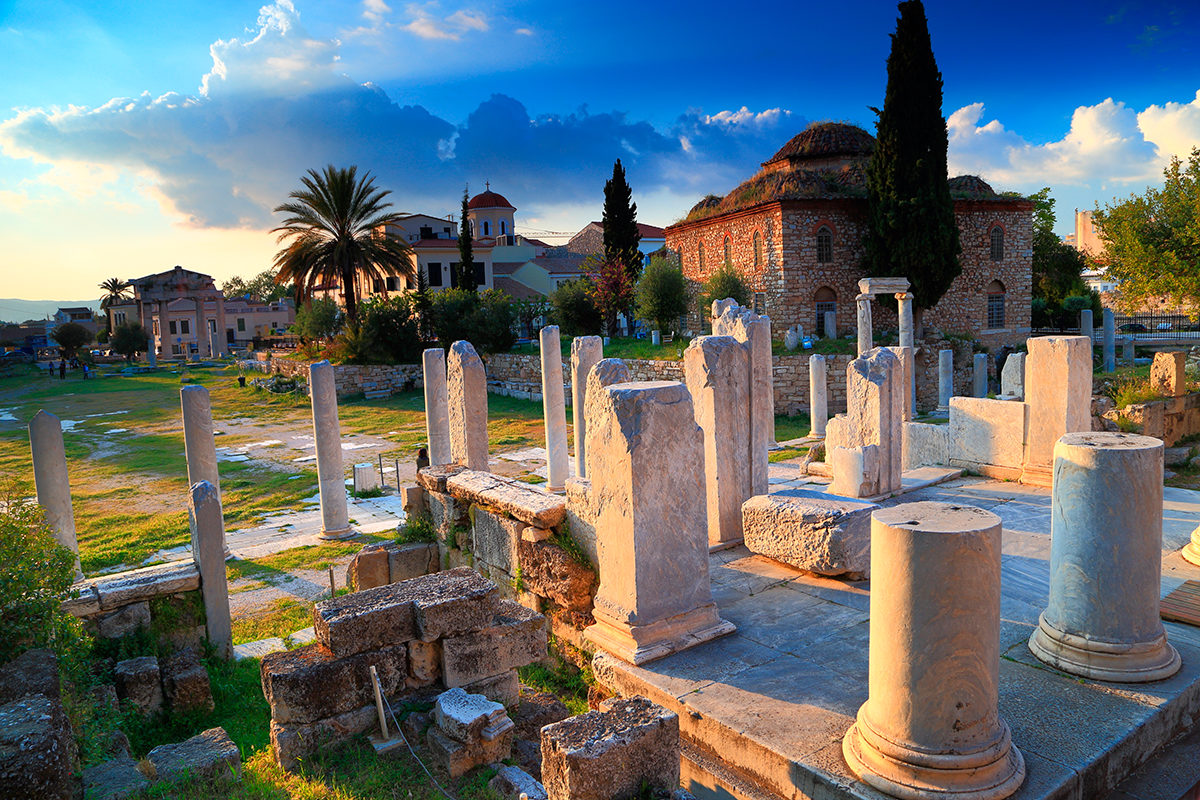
x=129 y=339
x=611 y=290
x=71 y=336
x=662 y=294
x=725 y=282
x=392 y=328
x=450 y=314
x=1152 y=241
x=337 y=229
x=911 y=230
x=493 y=323
x=262 y=287
x=528 y=312
x=573 y=310
x=422 y=304
x=466 y=253
x=1056 y=265
x=621 y=235
x=319 y=318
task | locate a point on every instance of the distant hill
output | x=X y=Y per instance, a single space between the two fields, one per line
x=15 y=310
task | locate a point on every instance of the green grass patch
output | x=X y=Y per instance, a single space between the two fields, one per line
x=286 y=615
x=562 y=679
x=791 y=427
x=786 y=454
x=529 y=477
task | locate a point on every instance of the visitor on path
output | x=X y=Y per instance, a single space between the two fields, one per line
x=85 y=372
x=62 y=370
x=422 y=459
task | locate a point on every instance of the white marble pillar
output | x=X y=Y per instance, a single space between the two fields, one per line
x=1110 y=341
x=980 y=375
x=905 y=303
x=554 y=410
x=586 y=352
x=467 y=388
x=818 y=394
x=1058 y=391
x=51 y=482
x=1085 y=323
x=1102 y=619
x=199 y=447
x=1127 y=347
x=830 y=325
x=437 y=406
x=945 y=378
x=208 y=551
x=220 y=347
x=865 y=333
x=331 y=476
x=931 y=726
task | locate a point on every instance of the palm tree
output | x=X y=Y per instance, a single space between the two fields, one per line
x=338 y=231
x=115 y=290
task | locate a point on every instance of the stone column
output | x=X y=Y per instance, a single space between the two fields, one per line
x=874 y=411
x=208 y=551
x=945 y=379
x=331 y=477
x=468 y=407
x=1128 y=348
x=1012 y=377
x=51 y=481
x=717 y=371
x=931 y=726
x=1085 y=323
x=164 y=332
x=818 y=394
x=647 y=455
x=908 y=340
x=201 y=331
x=199 y=447
x=1106 y=561
x=905 y=300
x=586 y=351
x=605 y=372
x=554 y=411
x=908 y=382
x=865 y=337
x=754 y=331
x=220 y=348
x=980 y=375
x=1058 y=391
x=1110 y=341
x=830 y=325
x=437 y=403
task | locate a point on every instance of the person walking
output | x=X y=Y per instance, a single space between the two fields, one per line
x=62 y=370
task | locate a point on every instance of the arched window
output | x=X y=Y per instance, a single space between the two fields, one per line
x=824 y=299
x=757 y=249
x=995 y=304
x=503 y=228
x=728 y=256
x=824 y=245
x=700 y=253
x=486 y=228
x=997 y=241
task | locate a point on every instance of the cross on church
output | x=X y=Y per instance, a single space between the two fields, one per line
x=487 y=185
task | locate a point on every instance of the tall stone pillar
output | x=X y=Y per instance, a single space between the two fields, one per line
x=554 y=411
x=437 y=406
x=865 y=334
x=874 y=411
x=754 y=331
x=945 y=378
x=908 y=340
x=980 y=375
x=331 y=476
x=199 y=447
x=908 y=382
x=606 y=372
x=1058 y=391
x=468 y=407
x=1128 y=347
x=586 y=351
x=1110 y=341
x=647 y=455
x=1085 y=323
x=830 y=325
x=221 y=346
x=201 y=330
x=931 y=726
x=905 y=301
x=818 y=393
x=163 y=342
x=1102 y=620
x=717 y=371
x=51 y=481
x=208 y=551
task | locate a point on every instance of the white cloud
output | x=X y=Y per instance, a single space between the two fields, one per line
x=375 y=10
x=1173 y=127
x=426 y=26
x=523 y=32
x=745 y=117
x=468 y=20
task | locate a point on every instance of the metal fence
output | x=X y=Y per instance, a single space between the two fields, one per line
x=1141 y=326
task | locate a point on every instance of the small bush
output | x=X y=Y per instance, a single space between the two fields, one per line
x=573 y=310
x=662 y=294
x=318 y=319
x=725 y=282
x=486 y=320
x=417 y=528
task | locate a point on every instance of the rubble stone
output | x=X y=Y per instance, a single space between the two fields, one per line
x=139 y=682
x=549 y=571
x=516 y=637
x=459 y=758
x=509 y=496
x=114 y=780
x=369 y=568
x=466 y=717
x=433 y=478
x=293 y=742
x=494 y=538
x=504 y=688
x=186 y=684
x=812 y=531
x=32 y=672
x=143 y=584
x=123 y=621
x=467 y=389
x=210 y=756
x=512 y=782
x=309 y=684
x=35 y=749
x=411 y=560
x=1167 y=374
x=424 y=662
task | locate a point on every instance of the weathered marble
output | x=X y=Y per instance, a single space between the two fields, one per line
x=865 y=334
x=1167 y=373
x=208 y=551
x=811 y=531
x=331 y=475
x=199 y=446
x=467 y=382
x=605 y=372
x=979 y=375
x=818 y=393
x=1058 y=390
x=1012 y=376
x=51 y=481
x=585 y=352
x=945 y=378
x=1110 y=340
x=874 y=415
x=437 y=406
x=554 y=410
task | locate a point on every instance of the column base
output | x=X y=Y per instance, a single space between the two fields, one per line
x=1116 y=662
x=815 y=435
x=903 y=771
x=640 y=644
x=1037 y=475
x=1191 y=550
x=344 y=533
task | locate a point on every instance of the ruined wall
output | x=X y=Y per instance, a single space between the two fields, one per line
x=166 y=599
x=350 y=379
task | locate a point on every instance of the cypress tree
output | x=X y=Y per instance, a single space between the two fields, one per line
x=621 y=237
x=466 y=257
x=911 y=230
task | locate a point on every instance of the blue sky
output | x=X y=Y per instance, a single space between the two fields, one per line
x=138 y=136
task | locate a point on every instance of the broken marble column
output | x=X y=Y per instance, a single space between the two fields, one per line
x=208 y=551
x=647 y=458
x=908 y=367
x=468 y=407
x=1110 y=341
x=945 y=379
x=754 y=331
x=717 y=372
x=199 y=446
x=1012 y=377
x=904 y=302
x=331 y=476
x=1058 y=391
x=818 y=394
x=931 y=726
x=1102 y=619
x=1167 y=374
x=1127 y=348
x=865 y=335
x=720 y=306
x=437 y=406
x=606 y=372
x=980 y=375
x=585 y=352
x=51 y=482
x=554 y=410
x=874 y=419
x=1085 y=323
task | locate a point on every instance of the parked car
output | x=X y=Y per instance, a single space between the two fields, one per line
x=16 y=357
x=1133 y=327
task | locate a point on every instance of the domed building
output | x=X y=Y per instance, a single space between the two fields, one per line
x=794 y=232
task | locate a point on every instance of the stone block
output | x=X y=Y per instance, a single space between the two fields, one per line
x=513 y=782
x=412 y=560
x=368 y=568
x=210 y=756
x=926 y=445
x=291 y=743
x=452 y=602
x=139 y=681
x=509 y=496
x=85 y=601
x=32 y=672
x=413 y=500
x=984 y=431
x=581 y=516
x=875 y=412
x=114 y=780
x=1167 y=374
x=433 y=478
x=1058 y=390
x=604 y=754
x=535 y=711
x=142 y=584
x=466 y=717
x=531 y=534
x=123 y=621
x=466 y=382
x=854 y=470
x=448 y=514
x=424 y=663
x=549 y=571
x=1012 y=376
x=459 y=758
x=186 y=684
x=504 y=688
x=36 y=749
x=516 y=637
x=494 y=538
x=811 y=531
x=309 y=683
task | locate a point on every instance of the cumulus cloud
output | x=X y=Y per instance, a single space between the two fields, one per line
x=427 y=25
x=1173 y=127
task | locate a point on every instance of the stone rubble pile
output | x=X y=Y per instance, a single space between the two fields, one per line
x=468 y=731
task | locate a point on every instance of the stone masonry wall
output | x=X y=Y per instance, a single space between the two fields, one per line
x=350 y=379
x=165 y=598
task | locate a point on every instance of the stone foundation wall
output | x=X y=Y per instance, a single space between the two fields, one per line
x=351 y=379
x=166 y=599
x=1170 y=420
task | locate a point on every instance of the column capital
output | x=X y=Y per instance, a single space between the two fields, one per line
x=903 y=296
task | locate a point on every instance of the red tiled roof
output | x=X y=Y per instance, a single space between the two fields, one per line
x=490 y=199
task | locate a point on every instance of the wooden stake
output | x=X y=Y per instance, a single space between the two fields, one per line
x=331 y=584
x=383 y=731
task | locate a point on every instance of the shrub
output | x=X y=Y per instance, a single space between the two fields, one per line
x=662 y=294
x=317 y=319
x=725 y=282
x=71 y=336
x=392 y=328
x=450 y=312
x=486 y=319
x=129 y=339
x=573 y=310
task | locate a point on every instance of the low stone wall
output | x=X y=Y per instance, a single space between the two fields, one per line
x=350 y=379
x=1170 y=420
x=165 y=598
